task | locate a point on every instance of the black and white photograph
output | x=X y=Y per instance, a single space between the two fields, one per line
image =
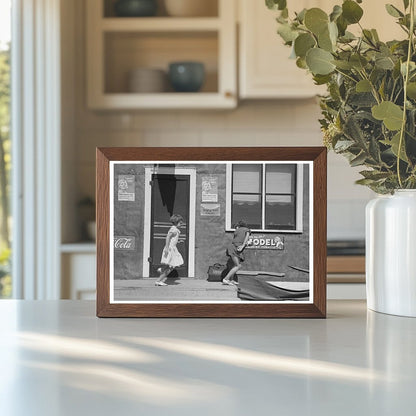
x=221 y=232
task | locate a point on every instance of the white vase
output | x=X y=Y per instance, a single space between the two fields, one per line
x=391 y=253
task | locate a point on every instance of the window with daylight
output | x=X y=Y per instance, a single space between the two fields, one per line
x=265 y=196
x=5 y=148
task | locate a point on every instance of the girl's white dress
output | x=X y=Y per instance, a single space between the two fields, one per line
x=173 y=258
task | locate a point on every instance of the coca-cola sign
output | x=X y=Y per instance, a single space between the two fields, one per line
x=124 y=243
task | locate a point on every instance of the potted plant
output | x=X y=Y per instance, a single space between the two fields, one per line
x=368 y=116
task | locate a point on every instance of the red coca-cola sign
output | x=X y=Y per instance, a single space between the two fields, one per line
x=124 y=243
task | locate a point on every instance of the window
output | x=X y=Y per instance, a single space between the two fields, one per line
x=267 y=196
x=5 y=145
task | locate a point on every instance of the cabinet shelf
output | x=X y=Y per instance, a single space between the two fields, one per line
x=160 y=24
x=198 y=100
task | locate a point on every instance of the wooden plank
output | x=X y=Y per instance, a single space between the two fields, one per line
x=160 y=24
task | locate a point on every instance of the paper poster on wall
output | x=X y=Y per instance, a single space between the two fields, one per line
x=210 y=210
x=209 y=189
x=126 y=188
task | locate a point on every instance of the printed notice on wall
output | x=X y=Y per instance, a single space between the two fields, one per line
x=126 y=188
x=210 y=210
x=210 y=189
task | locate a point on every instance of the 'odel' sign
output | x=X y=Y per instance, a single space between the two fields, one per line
x=264 y=242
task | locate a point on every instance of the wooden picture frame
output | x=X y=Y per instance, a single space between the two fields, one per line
x=298 y=201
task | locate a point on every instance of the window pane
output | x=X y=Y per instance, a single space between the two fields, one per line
x=247 y=208
x=5 y=147
x=247 y=178
x=280 y=212
x=280 y=179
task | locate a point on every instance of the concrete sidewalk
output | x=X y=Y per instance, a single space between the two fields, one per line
x=188 y=289
x=185 y=288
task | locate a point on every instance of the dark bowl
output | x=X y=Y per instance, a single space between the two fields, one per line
x=135 y=8
x=186 y=76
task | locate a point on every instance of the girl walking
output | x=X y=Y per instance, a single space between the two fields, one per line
x=235 y=251
x=171 y=257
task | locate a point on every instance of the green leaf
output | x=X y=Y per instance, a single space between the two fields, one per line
x=301 y=15
x=347 y=37
x=319 y=61
x=368 y=36
x=363 y=86
x=336 y=12
x=411 y=90
x=325 y=42
x=384 y=62
x=388 y=112
x=406 y=4
x=287 y=33
x=375 y=35
x=344 y=65
x=351 y=11
x=276 y=4
x=301 y=63
x=303 y=43
x=374 y=174
x=321 y=79
x=394 y=145
x=393 y=11
x=316 y=20
x=333 y=32
x=358 y=61
x=343 y=145
x=358 y=160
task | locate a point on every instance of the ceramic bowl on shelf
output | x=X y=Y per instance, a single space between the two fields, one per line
x=147 y=80
x=186 y=76
x=135 y=8
x=191 y=8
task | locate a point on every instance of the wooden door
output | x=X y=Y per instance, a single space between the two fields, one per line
x=170 y=195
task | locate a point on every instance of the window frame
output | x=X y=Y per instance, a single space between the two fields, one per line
x=298 y=198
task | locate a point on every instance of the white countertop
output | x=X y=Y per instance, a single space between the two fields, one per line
x=57 y=358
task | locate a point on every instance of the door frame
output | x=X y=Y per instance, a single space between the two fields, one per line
x=148 y=214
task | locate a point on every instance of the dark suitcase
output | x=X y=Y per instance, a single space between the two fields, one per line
x=217 y=272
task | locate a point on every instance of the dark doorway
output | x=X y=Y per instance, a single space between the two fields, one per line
x=170 y=195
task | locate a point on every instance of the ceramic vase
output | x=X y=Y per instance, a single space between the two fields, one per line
x=391 y=253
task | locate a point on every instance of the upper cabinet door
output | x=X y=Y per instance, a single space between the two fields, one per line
x=266 y=71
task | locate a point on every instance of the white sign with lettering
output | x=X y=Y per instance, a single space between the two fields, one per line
x=124 y=243
x=264 y=242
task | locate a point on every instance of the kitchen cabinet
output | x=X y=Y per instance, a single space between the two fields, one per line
x=78 y=262
x=265 y=69
x=118 y=45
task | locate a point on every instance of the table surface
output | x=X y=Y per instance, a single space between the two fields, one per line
x=57 y=358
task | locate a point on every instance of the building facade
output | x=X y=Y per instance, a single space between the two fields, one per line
x=272 y=198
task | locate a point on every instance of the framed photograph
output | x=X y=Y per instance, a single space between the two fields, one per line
x=211 y=232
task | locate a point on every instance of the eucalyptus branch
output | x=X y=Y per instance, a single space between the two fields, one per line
x=373 y=88
x=406 y=79
x=346 y=75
